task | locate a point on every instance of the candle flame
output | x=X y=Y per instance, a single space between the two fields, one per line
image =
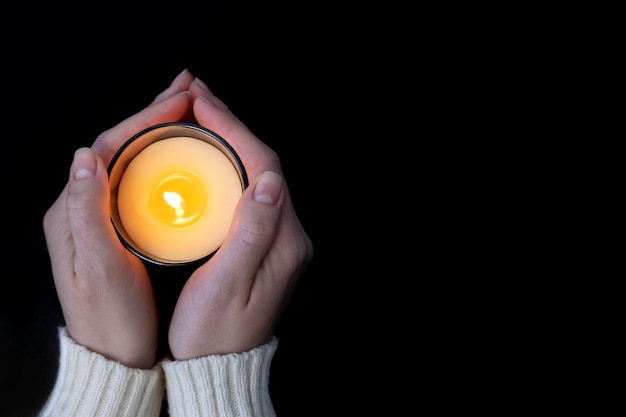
x=177 y=202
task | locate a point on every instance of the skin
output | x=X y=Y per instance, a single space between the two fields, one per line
x=229 y=304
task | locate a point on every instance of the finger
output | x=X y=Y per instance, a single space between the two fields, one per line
x=168 y=110
x=199 y=89
x=252 y=233
x=88 y=209
x=256 y=155
x=181 y=83
x=211 y=112
x=200 y=92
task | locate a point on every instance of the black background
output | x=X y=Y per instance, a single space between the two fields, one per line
x=404 y=137
x=304 y=81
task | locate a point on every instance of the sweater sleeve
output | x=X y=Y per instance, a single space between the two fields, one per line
x=231 y=385
x=90 y=385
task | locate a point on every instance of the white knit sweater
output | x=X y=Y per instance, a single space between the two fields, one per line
x=90 y=385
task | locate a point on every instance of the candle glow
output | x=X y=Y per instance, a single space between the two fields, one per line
x=176 y=198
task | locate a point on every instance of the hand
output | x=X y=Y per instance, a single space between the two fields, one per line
x=232 y=303
x=105 y=293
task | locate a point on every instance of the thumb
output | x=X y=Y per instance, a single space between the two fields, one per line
x=255 y=225
x=88 y=200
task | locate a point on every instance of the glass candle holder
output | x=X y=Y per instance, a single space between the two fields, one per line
x=174 y=188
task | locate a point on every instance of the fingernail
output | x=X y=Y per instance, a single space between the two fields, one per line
x=84 y=164
x=182 y=73
x=203 y=85
x=268 y=188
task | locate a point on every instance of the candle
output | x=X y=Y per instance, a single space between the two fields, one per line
x=174 y=193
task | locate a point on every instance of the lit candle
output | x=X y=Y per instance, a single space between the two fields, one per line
x=175 y=194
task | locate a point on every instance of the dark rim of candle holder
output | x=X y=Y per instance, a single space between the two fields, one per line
x=232 y=155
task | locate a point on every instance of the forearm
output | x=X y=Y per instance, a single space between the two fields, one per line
x=221 y=385
x=88 y=384
x=231 y=385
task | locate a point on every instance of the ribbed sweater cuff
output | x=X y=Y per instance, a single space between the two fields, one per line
x=88 y=384
x=231 y=385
